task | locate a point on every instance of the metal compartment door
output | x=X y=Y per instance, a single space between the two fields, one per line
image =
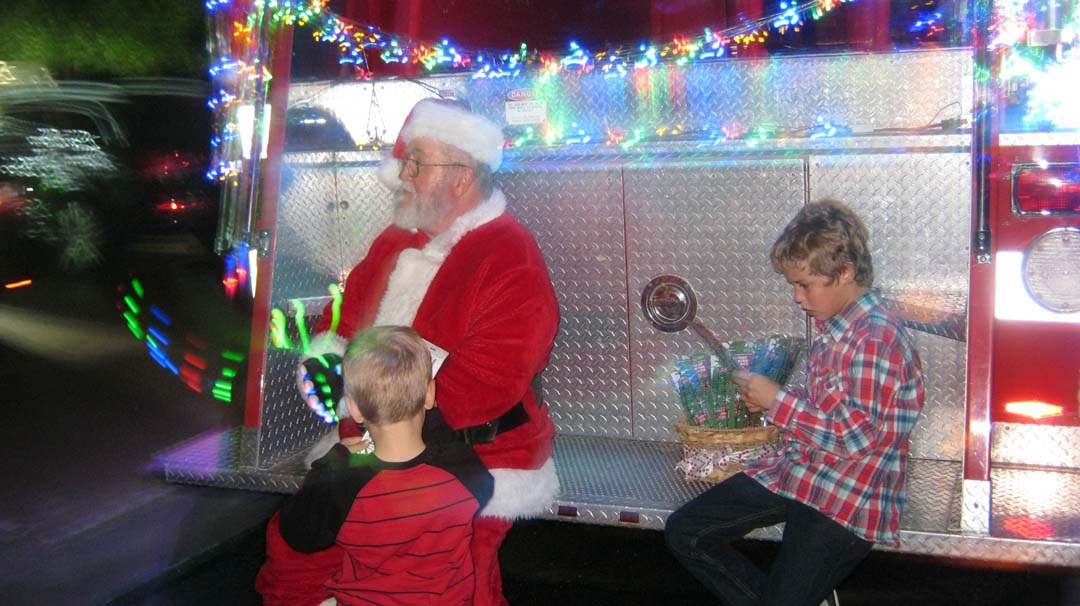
x=575 y=212
x=918 y=209
x=713 y=223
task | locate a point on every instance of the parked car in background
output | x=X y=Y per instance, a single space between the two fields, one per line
x=15 y=255
x=92 y=173
x=177 y=208
x=57 y=171
x=169 y=125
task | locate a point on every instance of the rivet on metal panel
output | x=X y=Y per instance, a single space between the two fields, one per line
x=264 y=243
x=567 y=511
x=629 y=517
x=344 y=205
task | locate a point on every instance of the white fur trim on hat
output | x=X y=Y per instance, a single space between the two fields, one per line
x=522 y=493
x=455 y=126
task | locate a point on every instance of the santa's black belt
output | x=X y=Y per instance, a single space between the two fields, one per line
x=485 y=432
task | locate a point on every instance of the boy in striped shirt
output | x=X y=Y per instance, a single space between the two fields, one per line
x=403 y=514
x=837 y=480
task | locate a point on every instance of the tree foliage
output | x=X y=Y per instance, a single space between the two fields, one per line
x=104 y=38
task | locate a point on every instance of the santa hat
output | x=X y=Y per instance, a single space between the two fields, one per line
x=446 y=122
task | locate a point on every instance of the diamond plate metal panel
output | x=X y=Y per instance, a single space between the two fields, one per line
x=933 y=489
x=1042 y=445
x=213 y=451
x=225 y=459
x=616 y=472
x=866 y=92
x=1035 y=504
x=633 y=483
x=917 y=206
x=576 y=215
x=975 y=507
x=603 y=479
x=364 y=209
x=331 y=208
x=978 y=548
x=713 y=224
x=939 y=432
x=287 y=425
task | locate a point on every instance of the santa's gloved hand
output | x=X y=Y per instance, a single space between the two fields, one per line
x=322 y=386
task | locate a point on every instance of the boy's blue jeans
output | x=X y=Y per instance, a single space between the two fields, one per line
x=815 y=554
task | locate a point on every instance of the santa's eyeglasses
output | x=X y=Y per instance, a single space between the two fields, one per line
x=412 y=167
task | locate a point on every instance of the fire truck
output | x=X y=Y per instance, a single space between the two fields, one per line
x=967 y=174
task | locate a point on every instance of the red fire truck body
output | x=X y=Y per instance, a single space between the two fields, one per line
x=976 y=233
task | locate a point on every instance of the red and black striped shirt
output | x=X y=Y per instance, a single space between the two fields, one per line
x=405 y=528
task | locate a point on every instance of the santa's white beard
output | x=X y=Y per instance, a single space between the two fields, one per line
x=421 y=211
x=406 y=217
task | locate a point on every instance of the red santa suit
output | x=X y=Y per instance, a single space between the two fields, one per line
x=481 y=291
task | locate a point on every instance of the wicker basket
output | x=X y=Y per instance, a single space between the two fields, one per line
x=714 y=440
x=747 y=437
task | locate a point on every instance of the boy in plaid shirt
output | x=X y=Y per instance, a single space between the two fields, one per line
x=837 y=480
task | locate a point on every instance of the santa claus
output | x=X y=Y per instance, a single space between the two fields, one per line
x=471 y=280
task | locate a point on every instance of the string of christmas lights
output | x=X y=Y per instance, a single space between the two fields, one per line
x=1048 y=75
x=356 y=41
x=238 y=68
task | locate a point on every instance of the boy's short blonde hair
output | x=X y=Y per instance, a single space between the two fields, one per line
x=825 y=235
x=386 y=371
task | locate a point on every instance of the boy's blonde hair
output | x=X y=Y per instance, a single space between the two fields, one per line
x=387 y=370
x=825 y=235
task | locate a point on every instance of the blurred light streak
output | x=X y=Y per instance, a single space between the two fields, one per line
x=62 y=159
x=1034 y=409
x=159 y=314
x=80 y=235
x=1032 y=529
x=71 y=97
x=59 y=339
x=199 y=372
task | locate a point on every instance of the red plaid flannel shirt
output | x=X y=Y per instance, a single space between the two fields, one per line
x=844 y=438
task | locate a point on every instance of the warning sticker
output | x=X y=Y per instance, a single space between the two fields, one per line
x=526 y=112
